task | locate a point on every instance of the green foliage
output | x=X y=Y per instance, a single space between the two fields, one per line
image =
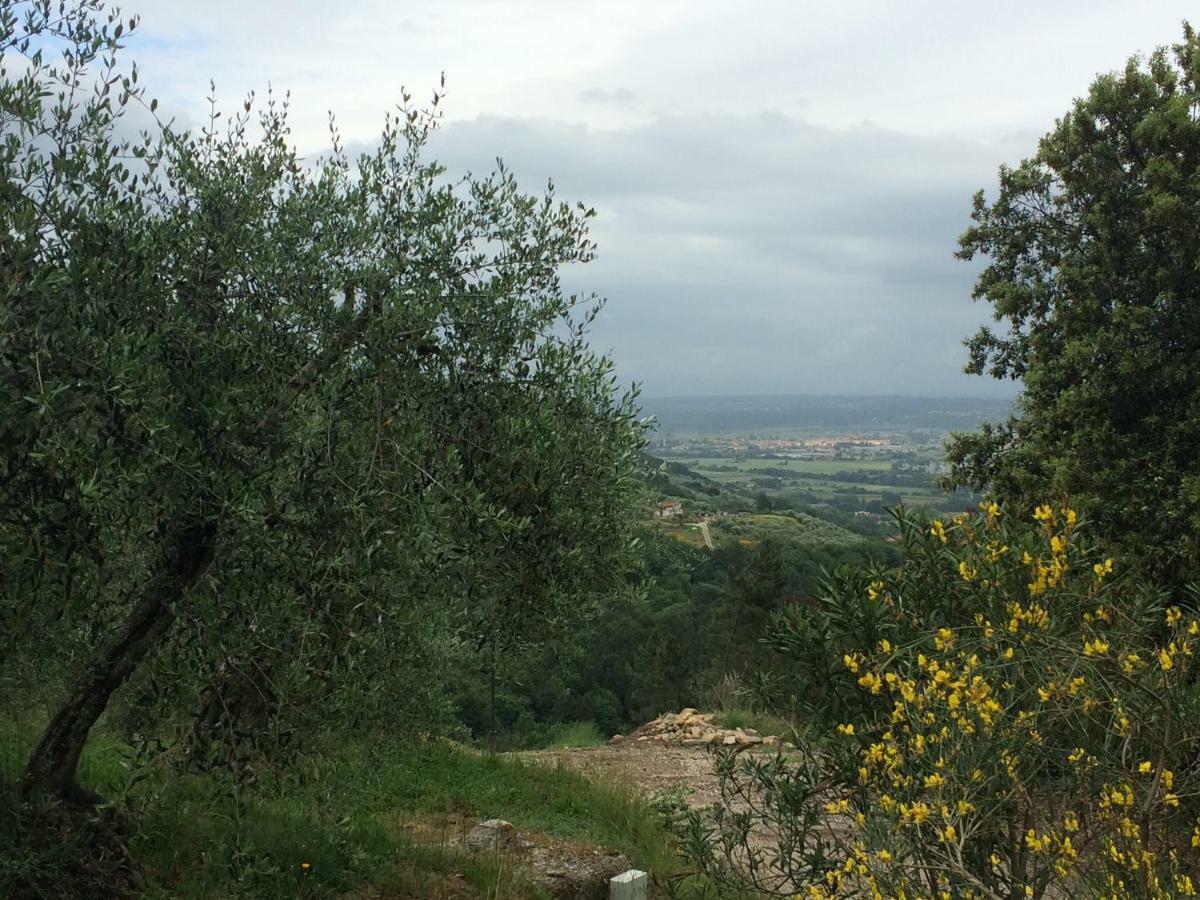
x=1014 y=719
x=795 y=528
x=762 y=722
x=576 y=734
x=342 y=811
x=1091 y=273
x=279 y=437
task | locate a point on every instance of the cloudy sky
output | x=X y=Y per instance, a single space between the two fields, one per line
x=779 y=184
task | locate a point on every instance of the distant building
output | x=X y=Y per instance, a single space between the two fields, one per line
x=669 y=509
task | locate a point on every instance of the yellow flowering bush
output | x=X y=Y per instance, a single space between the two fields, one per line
x=1016 y=718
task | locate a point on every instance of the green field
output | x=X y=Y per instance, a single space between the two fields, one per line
x=819 y=480
x=795 y=529
x=712 y=466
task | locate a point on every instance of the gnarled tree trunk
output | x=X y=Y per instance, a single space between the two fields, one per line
x=51 y=768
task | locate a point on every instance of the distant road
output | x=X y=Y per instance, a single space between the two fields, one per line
x=704 y=532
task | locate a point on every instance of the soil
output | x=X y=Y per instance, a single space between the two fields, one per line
x=648 y=767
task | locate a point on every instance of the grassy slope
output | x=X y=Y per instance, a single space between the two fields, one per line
x=343 y=813
x=795 y=528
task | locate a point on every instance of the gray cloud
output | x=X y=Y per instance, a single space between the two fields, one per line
x=755 y=234
x=762 y=253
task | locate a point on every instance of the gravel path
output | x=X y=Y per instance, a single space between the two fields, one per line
x=647 y=767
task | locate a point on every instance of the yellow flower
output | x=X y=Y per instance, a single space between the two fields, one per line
x=1097 y=647
x=1044 y=513
x=948 y=834
x=1146 y=767
x=871 y=682
x=938 y=530
x=1165 y=661
x=847 y=729
x=966 y=571
x=1173 y=615
x=916 y=814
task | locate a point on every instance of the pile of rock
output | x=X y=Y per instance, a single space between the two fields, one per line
x=693 y=729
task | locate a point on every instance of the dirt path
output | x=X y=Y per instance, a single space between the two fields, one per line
x=646 y=767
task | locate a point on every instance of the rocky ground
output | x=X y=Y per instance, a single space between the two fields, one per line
x=672 y=751
x=690 y=728
x=671 y=754
x=647 y=767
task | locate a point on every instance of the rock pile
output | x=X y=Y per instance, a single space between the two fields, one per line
x=693 y=729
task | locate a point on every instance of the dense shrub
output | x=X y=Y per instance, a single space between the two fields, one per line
x=1016 y=720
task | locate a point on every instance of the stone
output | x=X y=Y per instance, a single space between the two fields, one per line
x=630 y=885
x=575 y=873
x=688 y=726
x=492 y=835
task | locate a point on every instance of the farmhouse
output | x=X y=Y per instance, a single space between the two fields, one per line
x=669 y=509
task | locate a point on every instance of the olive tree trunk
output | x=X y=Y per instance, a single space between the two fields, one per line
x=50 y=770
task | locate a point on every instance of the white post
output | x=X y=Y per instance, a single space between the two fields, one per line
x=629 y=885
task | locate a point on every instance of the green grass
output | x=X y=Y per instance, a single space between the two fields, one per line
x=689 y=535
x=343 y=812
x=763 y=723
x=575 y=734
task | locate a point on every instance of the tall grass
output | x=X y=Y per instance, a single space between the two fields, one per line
x=335 y=824
x=575 y=734
x=763 y=723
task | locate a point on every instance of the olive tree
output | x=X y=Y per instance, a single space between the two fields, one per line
x=268 y=420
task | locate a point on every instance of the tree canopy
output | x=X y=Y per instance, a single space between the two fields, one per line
x=1092 y=276
x=272 y=427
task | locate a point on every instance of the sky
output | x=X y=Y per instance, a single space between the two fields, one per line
x=779 y=185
